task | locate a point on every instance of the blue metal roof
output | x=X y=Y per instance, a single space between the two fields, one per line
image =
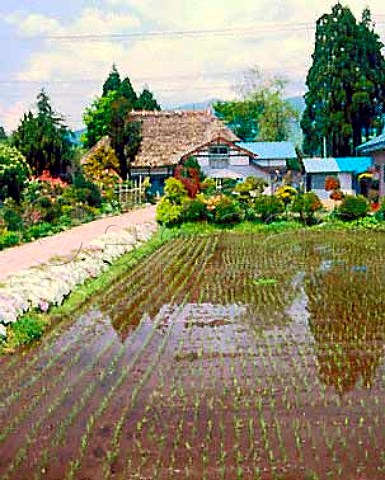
x=373 y=145
x=270 y=150
x=337 y=165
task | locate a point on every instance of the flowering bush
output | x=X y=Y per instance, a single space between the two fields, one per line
x=286 y=194
x=332 y=183
x=224 y=210
x=14 y=172
x=337 y=195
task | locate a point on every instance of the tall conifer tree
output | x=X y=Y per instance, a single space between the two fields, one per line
x=345 y=101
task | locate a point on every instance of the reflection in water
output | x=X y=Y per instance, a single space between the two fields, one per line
x=346 y=303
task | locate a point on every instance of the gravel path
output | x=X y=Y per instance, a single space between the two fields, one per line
x=12 y=260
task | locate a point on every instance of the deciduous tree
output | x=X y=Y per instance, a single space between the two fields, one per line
x=262 y=113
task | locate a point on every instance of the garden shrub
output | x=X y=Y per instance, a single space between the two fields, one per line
x=194 y=209
x=85 y=191
x=14 y=172
x=38 y=231
x=268 y=208
x=175 y=191
x=228 y=186
x=13 y=220
x=102 y=167
x=191 y=175
x=168 y=213
x=249 y=189
x=9 y=239
x=227 y=211
x=27 y=329
x=353 y=207
x=306 y=204
x=380 y=213
x=209 y=186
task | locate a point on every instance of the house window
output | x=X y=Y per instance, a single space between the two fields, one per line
x=219 y=150
x=219 y=156
x=318 y=181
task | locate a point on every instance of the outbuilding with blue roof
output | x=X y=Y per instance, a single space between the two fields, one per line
x=346 y=169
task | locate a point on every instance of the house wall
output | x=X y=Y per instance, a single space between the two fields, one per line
x=233 y=158
x=317 y=182
x=274 y=163
x=346 y=182
x=379 y=159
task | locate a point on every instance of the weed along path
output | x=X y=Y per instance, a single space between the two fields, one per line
x=219 y=357
x=13 y=260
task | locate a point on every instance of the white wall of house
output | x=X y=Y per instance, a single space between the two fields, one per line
x=346 y=182
x=318 y=182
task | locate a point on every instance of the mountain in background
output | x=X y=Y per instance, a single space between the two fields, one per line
x=204 y=105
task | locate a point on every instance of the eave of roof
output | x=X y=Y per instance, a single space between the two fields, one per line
x=373 y=145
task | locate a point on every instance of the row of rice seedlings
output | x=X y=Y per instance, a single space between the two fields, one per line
x=16 y=420
x=184 y=267
x=146 y=273
x=45 y=386
x=67 y=391
x=140 y=274
x=177 y=392
x=141 y=291
x=37 y=356
x=57 y=403
x=37 y=398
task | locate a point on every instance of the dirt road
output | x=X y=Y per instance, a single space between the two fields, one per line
x=12 y=260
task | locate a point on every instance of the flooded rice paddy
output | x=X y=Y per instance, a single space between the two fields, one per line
x=220 y=357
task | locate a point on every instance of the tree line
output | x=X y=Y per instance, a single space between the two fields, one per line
x=47 y=143
x=345 y=104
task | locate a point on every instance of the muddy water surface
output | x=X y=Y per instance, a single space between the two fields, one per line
x=229 y=357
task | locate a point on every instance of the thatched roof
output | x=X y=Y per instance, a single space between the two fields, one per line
x=168 y=135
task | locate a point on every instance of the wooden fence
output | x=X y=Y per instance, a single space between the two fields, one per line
x=131 y=194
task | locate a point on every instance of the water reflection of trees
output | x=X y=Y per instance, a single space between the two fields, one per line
x=346 y=304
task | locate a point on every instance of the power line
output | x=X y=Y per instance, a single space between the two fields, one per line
x=232 y=31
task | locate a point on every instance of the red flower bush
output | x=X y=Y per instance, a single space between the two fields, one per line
x=190 y=177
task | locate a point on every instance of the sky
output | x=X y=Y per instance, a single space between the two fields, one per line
x=185 y=51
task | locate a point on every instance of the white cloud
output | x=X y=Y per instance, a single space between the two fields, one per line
x=276 y=35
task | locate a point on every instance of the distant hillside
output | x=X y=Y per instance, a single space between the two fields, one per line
x=76 y=139
x=296 y=136
x=204 y=105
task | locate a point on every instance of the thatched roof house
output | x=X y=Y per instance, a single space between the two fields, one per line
x=168 y=135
